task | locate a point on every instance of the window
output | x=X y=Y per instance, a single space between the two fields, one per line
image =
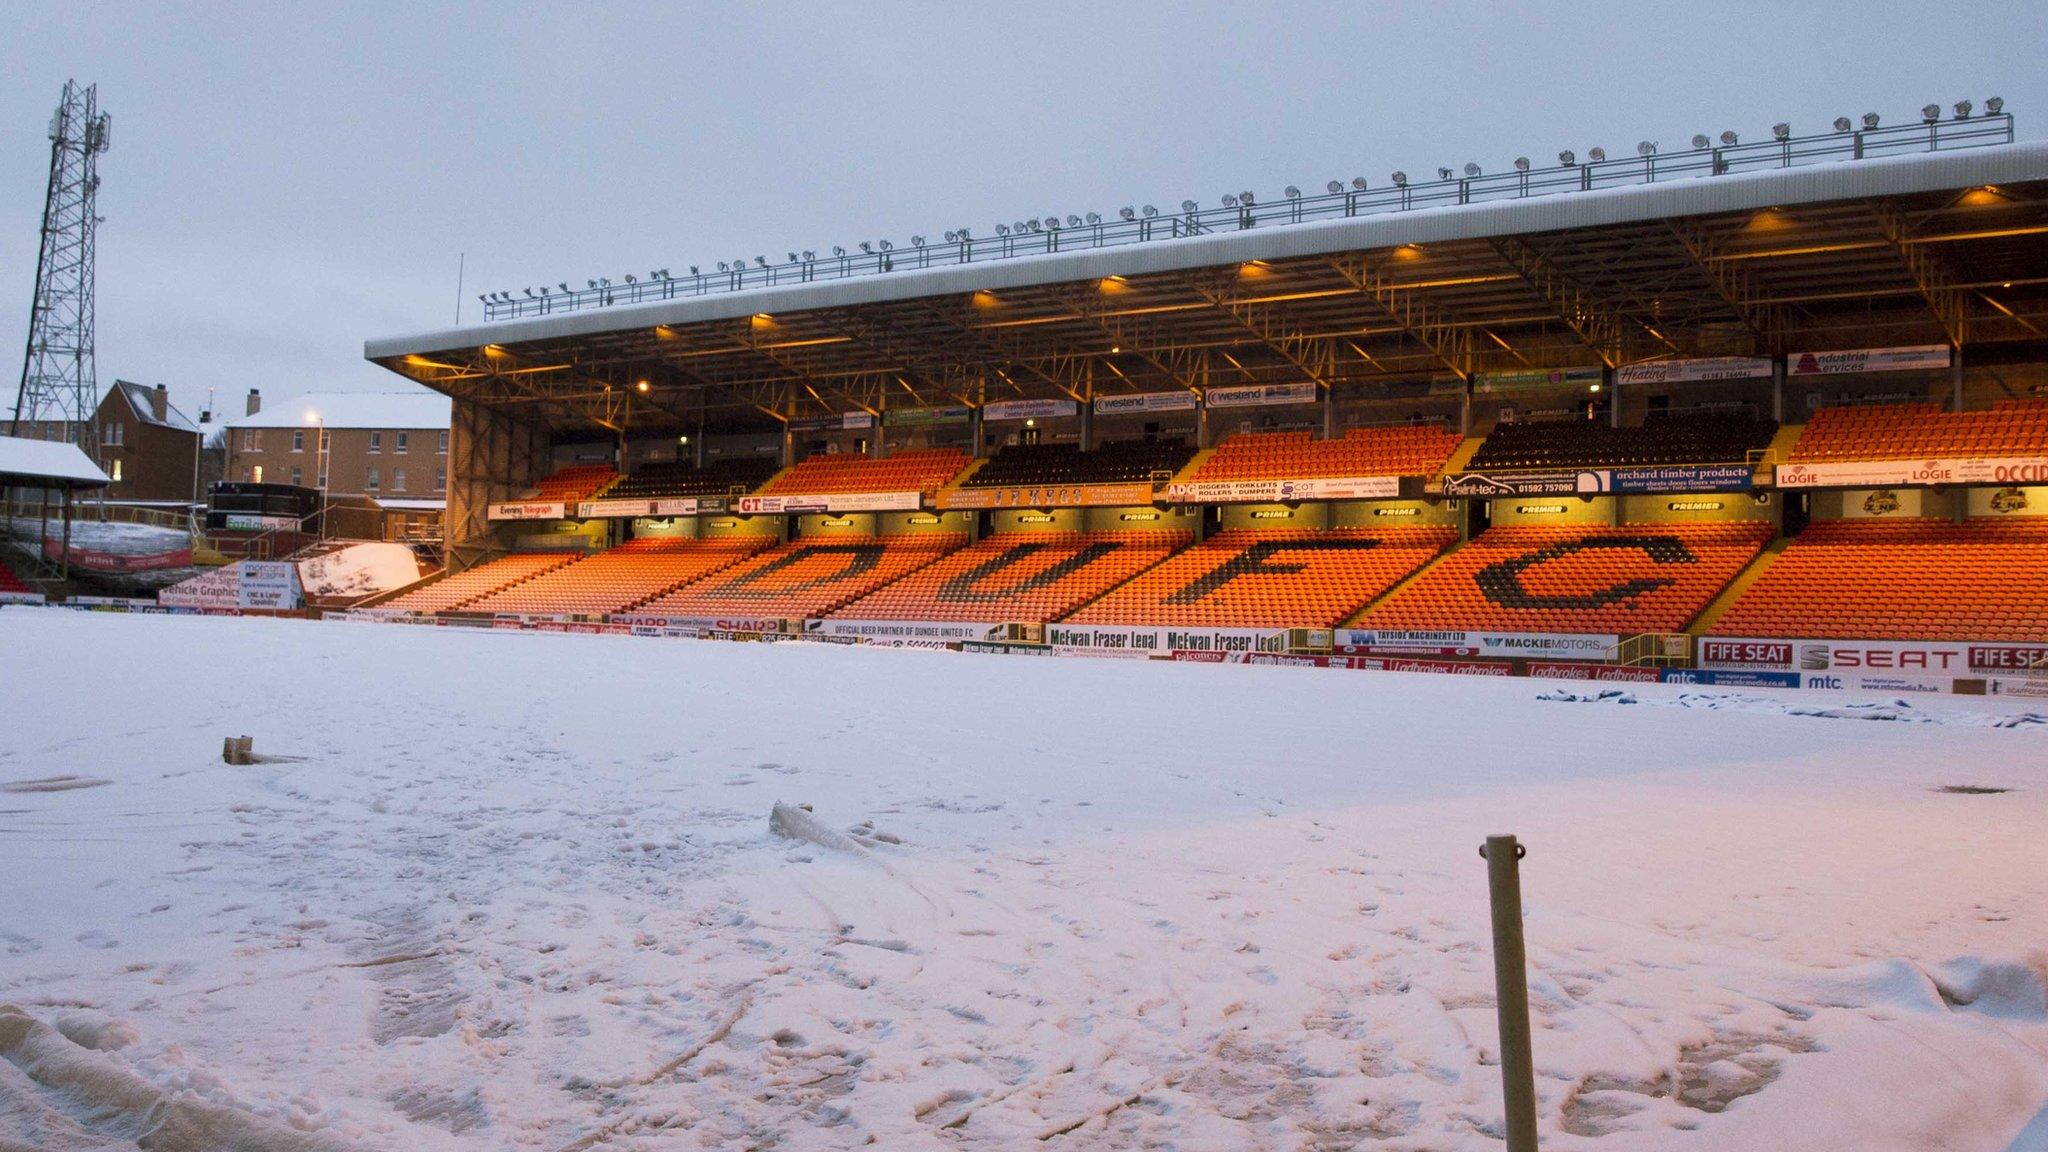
x=112 y=434
x=373 y=483
x=256 y=473
x=252 y=439
x=440 y=479
x=376 y=441
x=322 y=481
x=326 y=440
x=117 y=472
x=398 y=479
x=298 y=441
x=442 y=448
x=297 y=478
x=399 y=445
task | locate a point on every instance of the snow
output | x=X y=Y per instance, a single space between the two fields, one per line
x=415 y=409
x=521 y=890
x=24 y=460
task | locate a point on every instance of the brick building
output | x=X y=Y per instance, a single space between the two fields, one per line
x=384 y=445
x=147 y=446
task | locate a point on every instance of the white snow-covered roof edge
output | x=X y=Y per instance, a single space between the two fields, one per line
x=139 y=399
x=408 y=410
x=48 y=463
x=1818 y=183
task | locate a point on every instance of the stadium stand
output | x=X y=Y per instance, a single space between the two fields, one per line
x=1576 y=579
x=576 y=482
x=1115 y=462
x=807 y=577
x=452 y=592
x=919 y=470
x=621 y=578
x=1913 y=431
x=1910 y=579
x=1028 y=576
x=1269 y=578
x=677 y=478
x=1701 y=438
x=1402 y=450
x=9 y=582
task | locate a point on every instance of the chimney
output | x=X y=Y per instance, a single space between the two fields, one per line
x=160 y=403
x=255 y=402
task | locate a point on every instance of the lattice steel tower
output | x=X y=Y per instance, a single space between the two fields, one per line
x=58 y=379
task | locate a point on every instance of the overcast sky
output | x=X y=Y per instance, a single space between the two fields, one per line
x=284 y=184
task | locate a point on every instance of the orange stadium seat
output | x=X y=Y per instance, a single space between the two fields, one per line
x=574 y=483
x=476 y=583
x=1400 y=450
x=1923 y=431
x=1269 y=578
x=808 y=577
x=1033 y=576
x=1576 y=579
x=1911 y=579
x=618 y=579
x=920 y=470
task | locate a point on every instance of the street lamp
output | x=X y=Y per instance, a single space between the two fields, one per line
x=319 y=424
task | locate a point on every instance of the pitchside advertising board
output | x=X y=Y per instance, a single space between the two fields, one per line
x=998 y=410
x=1270 y=491
x=1494 y=645
x=1879 y=665
x=1146 y=402
x=1051 y=496
x=2004 y=471
x=528 y=510
x=830 y=502
x=618 y=509
x=1120 y=641
x=1915 y=357
x=903 y=632
x=1260 y=395
x=1694 y=370
x=1598 y=481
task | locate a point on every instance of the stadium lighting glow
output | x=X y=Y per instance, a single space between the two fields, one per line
x=312 y=417
x=1592 y=387
x=642 y=385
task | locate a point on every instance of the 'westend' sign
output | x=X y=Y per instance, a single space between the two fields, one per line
x=1258 y=395
x=1146 y=402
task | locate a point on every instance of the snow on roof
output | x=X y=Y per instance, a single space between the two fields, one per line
x=415 y=409
x=402 y=505
x=51 y=462
x=139 y=398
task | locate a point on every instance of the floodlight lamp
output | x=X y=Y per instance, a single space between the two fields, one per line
x=1244 y=198
x=1096 y=217
x=1358 y=183
x=1597 y=155
x=1001 y=230
x=1187 y=205
x=1869 y=121
x=888 y=245
x=630 y=280
x=792 y=258
x=866 y=246
x=723 y=266
x=1994 y=106
x=1646 y=148
x=1035 y=224
x=1148 y=211
x=642 y=386
x=1020 y=227
x=1334 y=187
x=564 y=285
x=1443 y=173
x=952 y=237
x=483 y=299
x=1842 y=124
x=1521 y=163
x=1127 y=213
x=1700 y=141
x=693 y=270
x=1567 y=158
x=1781 y=130
x=529 y=292
x=1728 y=139
x=966 y=234
x=1471 y=169
x=837 y=250
x=1073 y=221
x=808 y=257
x=1229 y=200
x=593 y=283
x=1291 y=192
x=543 y=290
x=1963 y=109
x=1052 y=222
x=917 y=241
x=1930 y=112
x=1400 y=179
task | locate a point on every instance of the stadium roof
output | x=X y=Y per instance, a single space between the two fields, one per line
x=1942 y=247
x=27 y=463
x=414 y=409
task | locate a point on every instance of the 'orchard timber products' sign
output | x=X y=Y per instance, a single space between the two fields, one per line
x=1285 y=491
x=1046 y=496
x=529 y=510
x=1597 y=481
x=2000 y=471
x=1917 y=356
x=830 y=502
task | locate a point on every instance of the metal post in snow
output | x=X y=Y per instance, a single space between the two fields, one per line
x=1511 y=990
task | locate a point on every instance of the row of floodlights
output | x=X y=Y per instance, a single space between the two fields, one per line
x=1929 y=114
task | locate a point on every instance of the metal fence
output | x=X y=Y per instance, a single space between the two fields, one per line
x=1034 y=237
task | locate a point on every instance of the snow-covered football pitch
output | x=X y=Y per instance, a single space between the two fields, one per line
x=517 y=890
